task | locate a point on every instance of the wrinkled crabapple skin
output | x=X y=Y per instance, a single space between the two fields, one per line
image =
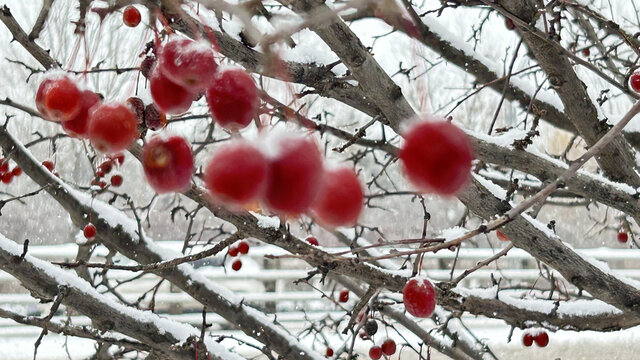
x=78 y=127
x=112 y=127
x=339 y=201
x=168 y=96
x=237 y=173
x=167 y=163
x=188 y=63
x=436 y=157
x=419 y=297
x=58 y=98
x=233 y=99
x=137 y=107
x=154 y=119
x=295 y=176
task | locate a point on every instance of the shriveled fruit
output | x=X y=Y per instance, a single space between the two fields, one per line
x=137 y=107
x=167 y=163
x=237 y=173
x=419 y=297
x=233 y=99
x=295 y=176
x=188 y=63
x=154 y=119
x=78 y=126
x=112 y=127
x=339 y=201
x=437 y=157
x=58 y=98
x=168 y=96
x=371 y=327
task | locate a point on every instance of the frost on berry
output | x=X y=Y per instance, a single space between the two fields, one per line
x=419 y=297
x=168 y=96
x=112 y=127
x=58 y=98
x=78 y=126
x=233 y=99
x=339 y=201
x=188 y=63
x=167 y=163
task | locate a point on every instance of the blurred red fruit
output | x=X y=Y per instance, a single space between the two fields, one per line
x=112 y=127
x=233 y=99
x=339 y=201
x=89 y=231
x=237 y=173
x=419 y=297
x=48 y=164
x=501 y=236
x=131 y=16
x=295 y=176
x=542 y=339
x=388 y=347
x=188 y=63
x=237 y=265
x=79 y=125
x=168 y=96
x=233 y=251
x=4 y=165
x=116 y=180
x=527 y=340
x=634 y=81
x=437 y=157
x=167 y=163
x=154 y=119
x=329 y=352
x=7 y=177
x=375 y=352
x=16 y=171
x=343 y=296
x=623 y=237
x=243 y=247
x=58 y=98
x=312 y=240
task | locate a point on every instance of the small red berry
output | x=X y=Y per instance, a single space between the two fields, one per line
x=48 y=164
x=168 y=96
x=233 y=251
x=89 y=231
x=343 y=297
x=388 y=347
x=339 y=201
x=237 y=173
x=131 y=16
x=102 y=184
x=329 y=352
x=363 y=335
x=634 y=81
x=100 y=173
x=188 y=63
x=586 y=52
x=7 y=177
x=243 y=247
x=58 y=98
x=106 y=166
x=437 y=157
x=78 y=126
x=147 y=64
x=542 y=339
x=16 y=171
x=112 y=127
x=233 y=99
x=509 y=24
x=623 y=237
x=527 y=339
x=295 y=176
x=118 y=158
x=312 y=240
x=116 y=180
x=237 y=265
x=419 y=297
x=501 y=236
x=4 y=165
x=167 y=163
x=375 y=352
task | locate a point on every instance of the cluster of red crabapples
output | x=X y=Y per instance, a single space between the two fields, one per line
x=235 y=250
x=6 y=175
x=541 y=338
x=388 y=348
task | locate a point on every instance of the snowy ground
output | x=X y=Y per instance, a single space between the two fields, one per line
x=622 y=345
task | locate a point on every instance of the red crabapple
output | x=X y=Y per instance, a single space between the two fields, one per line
x=154 y=119
x=509 y=24
x=116 y=180
x=106 y=166
x=329 y=352
x=419 y=297
x=295 y=176
x=312 y=240
x=586 y=52
x=237 y=173
x=527 y=339
x=339 y=201
x=237 y=265
x=188 y=63
x=7 y=177
x=168 y=96
x=78 y=126
x=233 y=99
x=118 y=158
x=89 y=231
x=243 y=247
x=634 y=81
x=58 y=98
x=48 y=164
x=437 y=157
x=233 y=251
x=131 y=16
x=343 y=297
x=623 y=237
x=375 y=352
x=17 y=171
x=167 y=163
x=102 y=184
x=501 y=236
x=112 y=127
x=4 y=165
x=388 y=347
x=542 y=339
